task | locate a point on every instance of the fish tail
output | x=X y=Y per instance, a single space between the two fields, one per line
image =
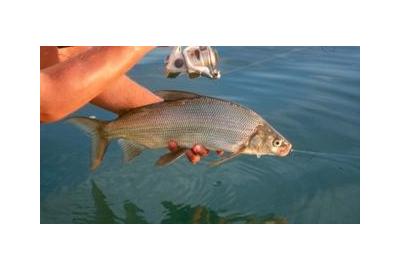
x=94 y=128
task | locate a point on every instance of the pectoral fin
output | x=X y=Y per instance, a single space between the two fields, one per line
x=130 y=149
x=171 y=157
x=225 y=159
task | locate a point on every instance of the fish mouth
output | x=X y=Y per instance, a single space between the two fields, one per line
x=285 y=150
x=212 y=75
x=216 y=75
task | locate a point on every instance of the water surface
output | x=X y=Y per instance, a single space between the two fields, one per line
x=309 y=94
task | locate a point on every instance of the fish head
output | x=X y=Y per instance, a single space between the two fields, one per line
x=267 y=141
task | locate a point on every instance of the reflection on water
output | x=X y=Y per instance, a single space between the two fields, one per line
x=178 y=214
x=104 y=214
x=174 y=213
x=310 y=94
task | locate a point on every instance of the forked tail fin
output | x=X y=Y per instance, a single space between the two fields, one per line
x=95 y=129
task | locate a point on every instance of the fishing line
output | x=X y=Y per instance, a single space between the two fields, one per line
x=325 y=154
x=267 y=59
x=264 y=60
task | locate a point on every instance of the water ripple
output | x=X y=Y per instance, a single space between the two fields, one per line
x=310 y=94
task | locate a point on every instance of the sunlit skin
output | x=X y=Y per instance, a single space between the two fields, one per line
x=73 y=76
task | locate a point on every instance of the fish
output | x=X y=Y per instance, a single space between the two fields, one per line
x=187 y=118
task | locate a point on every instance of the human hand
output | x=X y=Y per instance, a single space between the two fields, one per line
x=73 y=76
x=195 y=153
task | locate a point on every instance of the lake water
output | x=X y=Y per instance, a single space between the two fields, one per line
x=309 y=94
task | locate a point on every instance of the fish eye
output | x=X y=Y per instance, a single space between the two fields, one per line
x=277 y=142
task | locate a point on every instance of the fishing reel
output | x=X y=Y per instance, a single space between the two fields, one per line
x=196 y=61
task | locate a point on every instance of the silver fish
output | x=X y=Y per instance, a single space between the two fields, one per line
x=189 y=119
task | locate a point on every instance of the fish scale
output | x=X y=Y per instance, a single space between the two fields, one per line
x=214 y=123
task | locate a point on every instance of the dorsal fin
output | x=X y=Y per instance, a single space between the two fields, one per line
x=167 y=95
x=170 y=95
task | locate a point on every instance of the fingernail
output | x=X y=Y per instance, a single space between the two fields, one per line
x=193 y=158
x=172 y=145
x=196 y=158
x=200 y=150
x=219 y=152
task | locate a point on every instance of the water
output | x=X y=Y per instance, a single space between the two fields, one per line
x=310 y=94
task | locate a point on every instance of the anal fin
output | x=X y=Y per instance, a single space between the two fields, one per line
x=130 y=149
x=171 y=157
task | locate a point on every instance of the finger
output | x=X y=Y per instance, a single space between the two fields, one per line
x=200 y=150
x=192 y=157
x=220 y=152
x=172 y=145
